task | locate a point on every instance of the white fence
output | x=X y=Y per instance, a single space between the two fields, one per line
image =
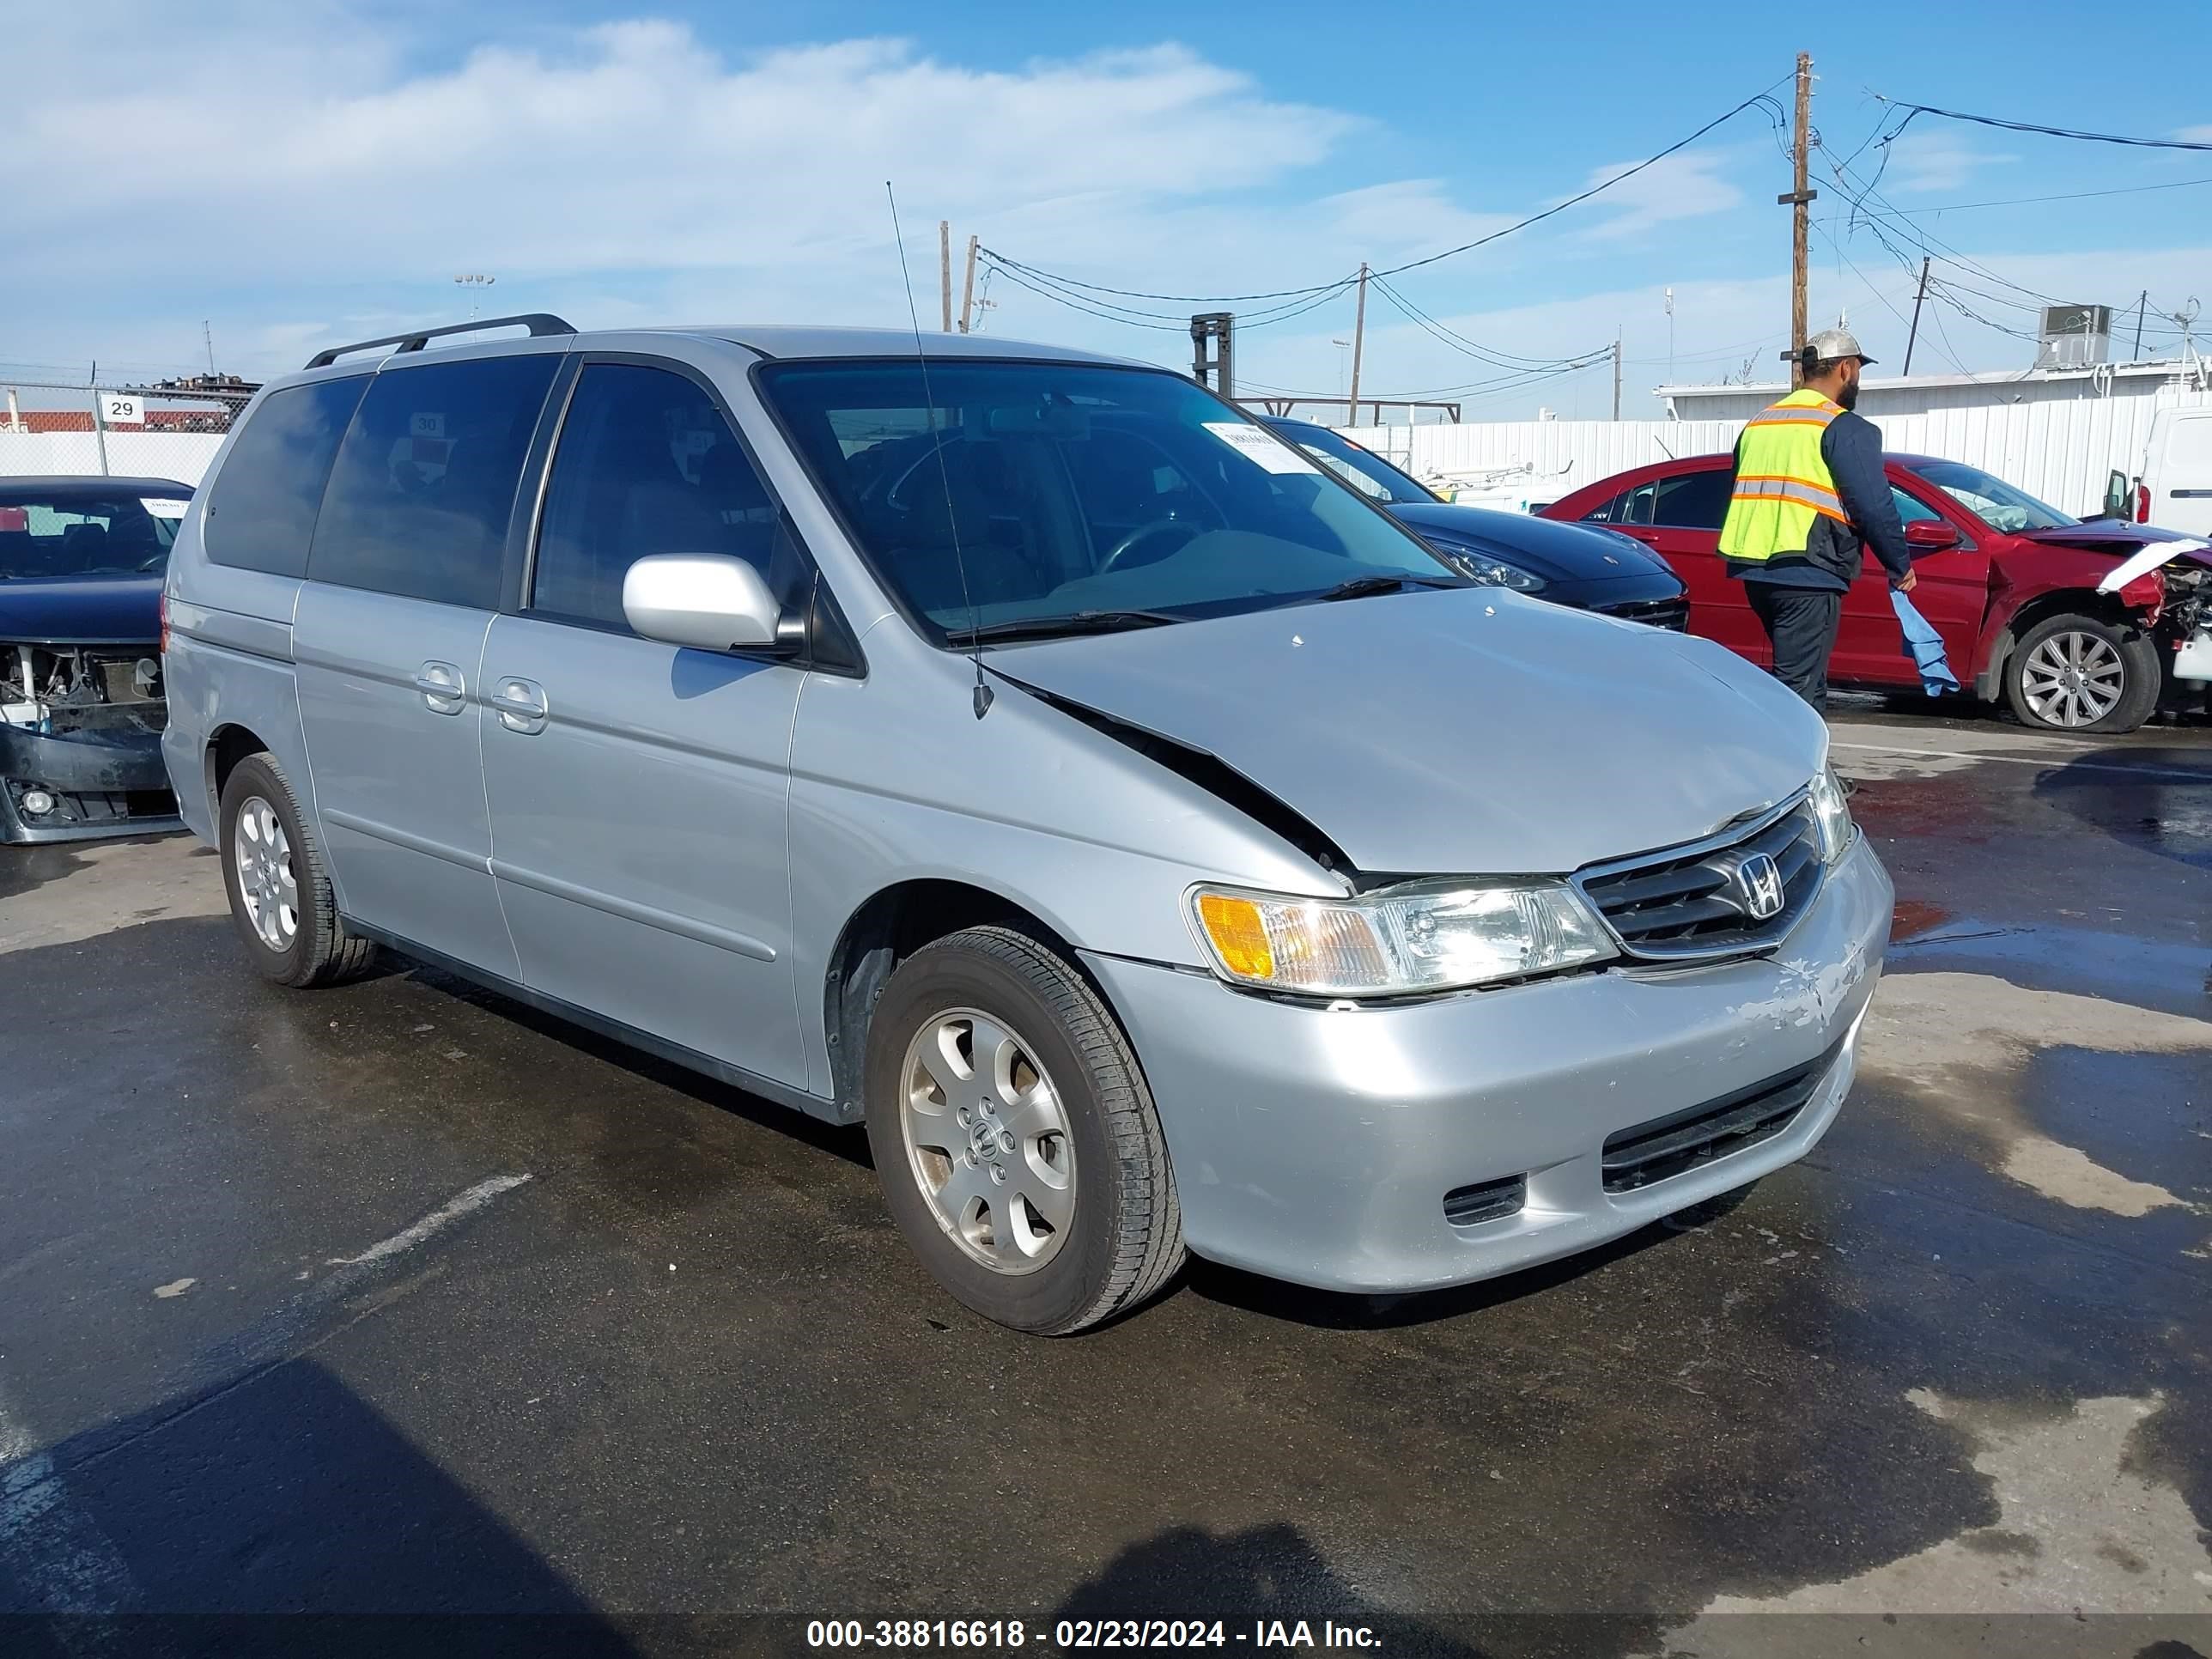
x=2061 y=452
x=183 y=456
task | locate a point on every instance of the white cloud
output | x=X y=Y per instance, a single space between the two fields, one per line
x=625 y=146
x=1934 y=160
x=2194 y=135
x=1409 y=215
x=1684 y=185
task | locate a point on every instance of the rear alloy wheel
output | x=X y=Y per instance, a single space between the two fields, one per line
x=279 y=887
x=2081 y=674
x=1015 y=1137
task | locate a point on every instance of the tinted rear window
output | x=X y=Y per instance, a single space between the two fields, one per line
x=424 y=485
x=261 y=511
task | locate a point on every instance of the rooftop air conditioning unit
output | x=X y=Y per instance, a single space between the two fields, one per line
x=2075 y=337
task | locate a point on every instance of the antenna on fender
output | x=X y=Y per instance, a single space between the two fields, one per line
x=944 y=476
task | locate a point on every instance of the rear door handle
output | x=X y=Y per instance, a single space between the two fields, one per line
x=1640 y=533
x=520 y=704
x=441 y=687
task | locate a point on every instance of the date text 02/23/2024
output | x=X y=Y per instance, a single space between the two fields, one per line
x=1079 y=1633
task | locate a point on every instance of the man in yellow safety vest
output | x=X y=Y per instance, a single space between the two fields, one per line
x=1808 y=500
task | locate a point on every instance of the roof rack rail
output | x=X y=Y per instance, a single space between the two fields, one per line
x=538 y=322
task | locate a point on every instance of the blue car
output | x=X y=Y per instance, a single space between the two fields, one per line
x=81 y=710
x=1579 y=566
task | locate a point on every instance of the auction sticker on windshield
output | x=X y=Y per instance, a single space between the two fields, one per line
x=1270 y=452
x=166 y=509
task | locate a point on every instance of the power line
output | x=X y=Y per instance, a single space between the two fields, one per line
x=1599 y=188
x=1034 y=280
x=1912 y=110
x=1466 y=346
x=2026 y=201
x=1883 y=298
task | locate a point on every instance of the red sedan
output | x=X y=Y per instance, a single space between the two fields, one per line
x=2009 y=583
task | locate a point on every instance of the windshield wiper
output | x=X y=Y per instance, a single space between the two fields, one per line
x=1048 y=627
x=1360 y=587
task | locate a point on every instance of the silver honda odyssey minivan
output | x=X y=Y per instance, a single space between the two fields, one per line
x=1025 y=753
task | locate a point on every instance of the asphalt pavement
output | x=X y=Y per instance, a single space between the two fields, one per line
x=400 y=1300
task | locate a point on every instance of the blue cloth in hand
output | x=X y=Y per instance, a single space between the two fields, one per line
x=1924 y=646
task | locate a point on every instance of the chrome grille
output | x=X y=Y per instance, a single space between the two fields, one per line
x=1701 y=901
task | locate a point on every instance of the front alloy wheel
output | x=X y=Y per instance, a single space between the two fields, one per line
x=2082 y=674
x=1014 y=1134
x=987 y=1142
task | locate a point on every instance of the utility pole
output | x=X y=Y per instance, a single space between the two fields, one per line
x=968 y=287
x=1798 y=201
x=1616 y=374
x=1358 y=340
x=1910 y=337
x=945 y=272
x=2140 y=306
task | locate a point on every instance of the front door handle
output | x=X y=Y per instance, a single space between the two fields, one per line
x=441 y=687
x=520 y=704
x=1640 y=533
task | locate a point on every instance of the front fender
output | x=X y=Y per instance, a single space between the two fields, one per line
x=894 y=781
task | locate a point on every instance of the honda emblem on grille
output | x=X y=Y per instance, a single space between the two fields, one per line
x=1758 y=880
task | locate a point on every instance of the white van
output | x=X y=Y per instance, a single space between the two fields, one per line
x=2174 y=488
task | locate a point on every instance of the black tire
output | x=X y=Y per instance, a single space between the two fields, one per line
x=319 y=951
x=2135 y=650
x=1124 y=1238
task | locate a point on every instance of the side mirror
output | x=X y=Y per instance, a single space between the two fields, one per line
x=2119 y=495
x=1930 y=535
x=705 y=601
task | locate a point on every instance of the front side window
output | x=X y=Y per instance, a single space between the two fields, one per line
x=647 y=465
x=1912 y=510
x=69 y=534
x=424 y=485
x=1035 y=493
x=261 y=511
x=1995 y=502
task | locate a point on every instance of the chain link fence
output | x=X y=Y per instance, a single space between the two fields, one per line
x=165 y=430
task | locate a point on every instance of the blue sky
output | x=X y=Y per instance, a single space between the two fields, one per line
x=317 y=170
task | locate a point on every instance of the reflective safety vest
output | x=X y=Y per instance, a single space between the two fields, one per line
x=1783 y=485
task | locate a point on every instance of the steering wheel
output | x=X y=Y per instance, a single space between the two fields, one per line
x=1140 y=535
x=154 y=563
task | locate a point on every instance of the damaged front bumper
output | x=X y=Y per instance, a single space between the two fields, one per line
x=96 y=772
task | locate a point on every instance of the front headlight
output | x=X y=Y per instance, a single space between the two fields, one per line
x=1831 y=815
x=1437 y=936
x=1487 y=569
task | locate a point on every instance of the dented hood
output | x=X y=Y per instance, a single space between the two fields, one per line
x=1456 y=732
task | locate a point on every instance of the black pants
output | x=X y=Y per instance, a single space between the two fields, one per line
x=1800 y=623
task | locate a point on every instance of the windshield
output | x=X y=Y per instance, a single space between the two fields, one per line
x=1035 y=492
x=1992 y=501
x=69 y=534
x=1365 y=470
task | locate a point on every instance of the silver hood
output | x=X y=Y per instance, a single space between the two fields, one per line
x=1459 y=731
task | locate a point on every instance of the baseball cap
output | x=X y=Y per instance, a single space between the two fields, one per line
x=1834 y=344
